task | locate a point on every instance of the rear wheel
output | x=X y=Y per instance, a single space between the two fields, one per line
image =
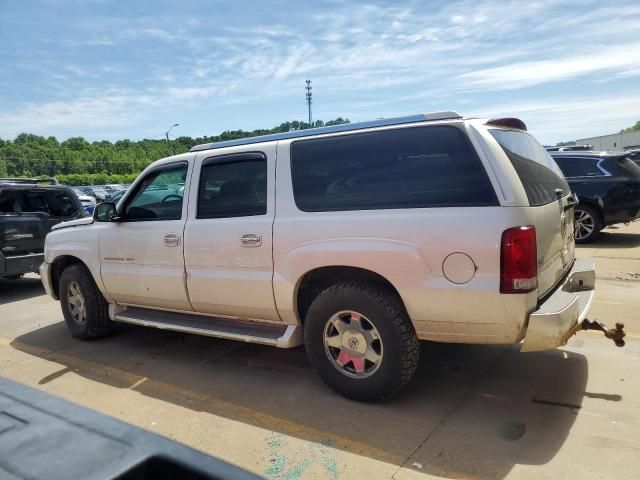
x=85 y=310
x=588 y=224
x=361 y=341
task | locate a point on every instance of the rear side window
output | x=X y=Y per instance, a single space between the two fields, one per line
x=55 y=203
x=233 y=189
x=60 y=203
x=539 y=174
x=579 y=166
x=402 y=168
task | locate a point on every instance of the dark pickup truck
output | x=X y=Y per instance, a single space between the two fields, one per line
x=28 y=210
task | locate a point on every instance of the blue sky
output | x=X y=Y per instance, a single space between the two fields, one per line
x=129 y=69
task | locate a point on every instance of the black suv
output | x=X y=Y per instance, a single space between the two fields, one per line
x=607 y=186
x=28 y=210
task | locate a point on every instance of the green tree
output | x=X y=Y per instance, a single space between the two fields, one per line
x=78 y=162
x=633 y=128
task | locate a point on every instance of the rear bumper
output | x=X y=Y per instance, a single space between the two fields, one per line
x=19 y=264
x=556 y=319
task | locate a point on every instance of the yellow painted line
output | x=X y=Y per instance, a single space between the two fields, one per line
x=138 y=383
x=217 y=406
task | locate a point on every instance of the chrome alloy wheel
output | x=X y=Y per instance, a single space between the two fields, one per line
x=585 y=224
x=76 y=304
x=353 y=344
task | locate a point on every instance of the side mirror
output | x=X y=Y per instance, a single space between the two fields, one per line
x=105 y=212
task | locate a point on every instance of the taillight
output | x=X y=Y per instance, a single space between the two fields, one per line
x=518 y=260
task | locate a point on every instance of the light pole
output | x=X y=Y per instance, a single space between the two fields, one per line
x=167 y=135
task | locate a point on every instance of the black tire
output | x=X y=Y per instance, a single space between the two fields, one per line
x=97 y=322
x=596 y=222
x=381 y=308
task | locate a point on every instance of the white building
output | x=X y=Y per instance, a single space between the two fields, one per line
x=615 y=141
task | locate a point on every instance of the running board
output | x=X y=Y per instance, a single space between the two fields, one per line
x=281 y=336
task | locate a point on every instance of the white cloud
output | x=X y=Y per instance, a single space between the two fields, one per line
x=373 y=59
x=561 y=119
x=87 y=113
x=620 y=58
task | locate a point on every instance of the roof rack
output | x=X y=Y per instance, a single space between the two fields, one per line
x=29 y=181
x=344 y=127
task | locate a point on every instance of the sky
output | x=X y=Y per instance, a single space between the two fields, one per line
x=130 y=69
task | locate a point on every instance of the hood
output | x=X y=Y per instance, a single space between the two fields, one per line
x=74 y=223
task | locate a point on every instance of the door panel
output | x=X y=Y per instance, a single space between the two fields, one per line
x=142 y=258
x=138 y=268
x=228 y=249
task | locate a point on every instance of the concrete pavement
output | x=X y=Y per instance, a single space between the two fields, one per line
x=470 y=412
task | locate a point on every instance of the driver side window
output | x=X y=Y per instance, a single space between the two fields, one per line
x=158 y=196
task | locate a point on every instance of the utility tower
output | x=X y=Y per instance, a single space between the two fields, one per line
x=308 y=89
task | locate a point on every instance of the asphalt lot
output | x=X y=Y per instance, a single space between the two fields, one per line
x=470 y=412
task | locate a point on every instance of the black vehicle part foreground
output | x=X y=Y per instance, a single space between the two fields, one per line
x=45 y=437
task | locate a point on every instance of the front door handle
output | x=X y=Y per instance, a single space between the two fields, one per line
x=251 y=239
x=172 y=240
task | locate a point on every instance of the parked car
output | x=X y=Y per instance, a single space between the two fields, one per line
x=357 y=241
x=607 y=186
x=92 y=191
x=28 y=210
x=570 y=148
x=115 y=197
x=88 y=203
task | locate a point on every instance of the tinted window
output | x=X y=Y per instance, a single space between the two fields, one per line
x=629 y=167
x=401 y=168
x=539 y=174
x=579 y=166
x=56 y=203
x=158 y=196
x=233 y=189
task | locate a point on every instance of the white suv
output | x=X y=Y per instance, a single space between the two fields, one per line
x=357 y=240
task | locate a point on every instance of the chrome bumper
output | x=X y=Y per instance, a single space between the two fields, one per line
x=557 y=318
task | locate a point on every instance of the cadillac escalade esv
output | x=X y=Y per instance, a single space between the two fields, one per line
x=355 y=240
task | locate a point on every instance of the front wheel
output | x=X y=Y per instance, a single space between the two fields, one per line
x=588 y=224
x=85 y=310
x=361 y=341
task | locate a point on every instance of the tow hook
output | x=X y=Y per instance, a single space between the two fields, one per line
x=616 y=334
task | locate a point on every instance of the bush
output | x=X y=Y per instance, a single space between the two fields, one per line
x=75 y=179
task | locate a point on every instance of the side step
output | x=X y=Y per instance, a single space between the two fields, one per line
x=281 y=336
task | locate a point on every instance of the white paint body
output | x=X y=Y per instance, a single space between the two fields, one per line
x=212 y=273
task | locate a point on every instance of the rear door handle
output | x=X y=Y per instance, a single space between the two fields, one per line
x=251 y=239
x=172 y=240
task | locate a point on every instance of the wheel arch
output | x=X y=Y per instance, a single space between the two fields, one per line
x=58 y=266
x=315 y=281
x=593 y=203
x=596 y=205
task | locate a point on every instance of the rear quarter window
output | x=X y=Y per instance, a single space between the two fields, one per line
x=538 y=172
x=416 y=167
x=573 y=167
x=55 y=203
